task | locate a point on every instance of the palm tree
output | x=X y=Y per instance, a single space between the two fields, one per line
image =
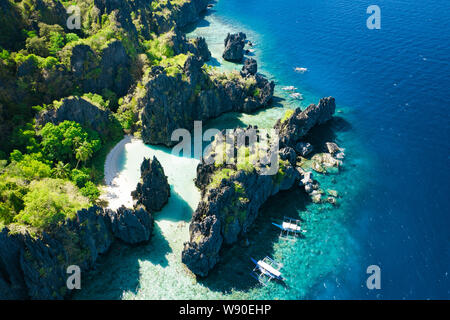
x=83 y=152
x=61 y=170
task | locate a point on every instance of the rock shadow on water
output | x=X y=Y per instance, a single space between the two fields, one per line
x=119 y=270
x=326 y=132
x=214 y=62
x=177 y=209
x=233 y=272
x=201 y=22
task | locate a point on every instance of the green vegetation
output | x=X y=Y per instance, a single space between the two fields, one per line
x=158 y=48
x=219 y=175
x=50 y=201
x=68 y=142
x=98 y=100
x=282 y=164
x=48 y=173
x=48 y=178
x=174 y=65
x=287 y=115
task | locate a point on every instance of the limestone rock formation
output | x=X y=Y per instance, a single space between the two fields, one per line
x=34 y=266
x=153 y=191
x=85 y=113
x=303 y=148
x=234 y=47
x=131 y=226
x=335 y=150
x=297 y=126
x=232 y=194
x=174 y=101
x=111 y=71
x=250 y=67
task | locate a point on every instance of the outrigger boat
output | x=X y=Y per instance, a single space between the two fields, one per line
x=265 y=270
x=290 y=228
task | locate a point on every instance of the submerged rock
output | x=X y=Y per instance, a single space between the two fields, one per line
x=153 y=191
x=234 y=47
x=332 y=200
x=333 y=193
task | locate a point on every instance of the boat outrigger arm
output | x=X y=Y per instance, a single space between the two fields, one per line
x=267 y=269
x=290 y=228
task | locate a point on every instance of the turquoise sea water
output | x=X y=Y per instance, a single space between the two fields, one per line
x=390 y=86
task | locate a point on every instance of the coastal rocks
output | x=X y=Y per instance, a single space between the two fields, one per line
x=200 y=49
x=324 y=162
x=131 y=226
x=226 y=213
x=234 y=47
x=288 y=154
x=179 y=14
x=34 y=266
x=316 y=196
x=89 y=236
x=250 y=67
x=300 y=122
x=303 y=148
x=173 y=101
x=201 y=253
x=232 y=195
x=321 y=163
x=177 y=41
x=153 y=191
x=85 y=113
x=44 y=274
x=335 y=150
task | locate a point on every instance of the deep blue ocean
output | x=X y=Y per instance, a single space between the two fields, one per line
x=395 y=82
x=391 y=87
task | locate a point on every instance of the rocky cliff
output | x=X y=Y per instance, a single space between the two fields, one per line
x=234 y=47
x=85 y=113
x=173 y=98
x=33 y=266
x=232 y=193
x=153 y=190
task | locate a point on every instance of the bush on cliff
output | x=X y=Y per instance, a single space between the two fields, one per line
x=68 y=142
x=50 y=201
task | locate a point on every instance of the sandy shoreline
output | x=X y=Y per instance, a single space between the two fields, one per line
x=117 y=187
x=111 y=169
